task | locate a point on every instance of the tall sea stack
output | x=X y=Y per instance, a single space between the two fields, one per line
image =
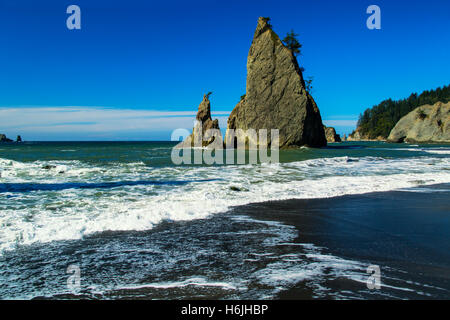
x=276 y=96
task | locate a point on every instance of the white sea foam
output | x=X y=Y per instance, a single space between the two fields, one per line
x=70 y=212
x=441 y=150
x=280 y=271
x=196 y=281
x=438 y=151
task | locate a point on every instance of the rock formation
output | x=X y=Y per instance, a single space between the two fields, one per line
x=3 y=138
x=203 y=123
x=355 y=136
x=358 y=136
x=427 y=123
x=276 y=95
x=331 y=135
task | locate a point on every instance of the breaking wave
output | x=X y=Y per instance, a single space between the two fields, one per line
x=62 y=200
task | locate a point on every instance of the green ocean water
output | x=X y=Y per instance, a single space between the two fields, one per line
x=158 y=153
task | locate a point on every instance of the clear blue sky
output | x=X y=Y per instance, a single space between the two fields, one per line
x=164 y=55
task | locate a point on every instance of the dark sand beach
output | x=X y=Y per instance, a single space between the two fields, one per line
x=404 y=232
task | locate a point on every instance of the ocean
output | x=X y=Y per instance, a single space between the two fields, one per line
x=118 y=220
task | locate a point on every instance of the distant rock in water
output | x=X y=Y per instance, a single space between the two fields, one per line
x=3 y=138
x=48 y=167
x=276 y=96
x=19 y=139
x=204 y=122
x=427 y=123
x=331 y=135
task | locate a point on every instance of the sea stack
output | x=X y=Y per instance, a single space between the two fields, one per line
x=3 y=138
x=204 y=122
x=276 y=95
x=331 y=135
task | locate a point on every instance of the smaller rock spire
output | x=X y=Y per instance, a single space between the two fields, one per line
x=199 y=135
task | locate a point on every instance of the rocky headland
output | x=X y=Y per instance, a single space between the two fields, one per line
x=358 y=136
x=376 y=123
x=427 y=123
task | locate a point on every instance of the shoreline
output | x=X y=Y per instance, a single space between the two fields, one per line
x=287 y=249
x=404 y=232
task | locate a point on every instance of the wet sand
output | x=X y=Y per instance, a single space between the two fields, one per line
x=406 y=233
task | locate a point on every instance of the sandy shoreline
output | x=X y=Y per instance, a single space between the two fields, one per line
x=406 y=233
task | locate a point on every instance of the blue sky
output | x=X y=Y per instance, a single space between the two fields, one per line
x=154 y=60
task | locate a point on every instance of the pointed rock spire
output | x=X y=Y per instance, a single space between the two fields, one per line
x=199 y=136
x=276 y=95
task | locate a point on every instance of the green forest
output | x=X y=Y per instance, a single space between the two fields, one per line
x=381 y=119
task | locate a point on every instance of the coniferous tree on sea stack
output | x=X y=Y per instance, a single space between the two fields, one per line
x=291 y=42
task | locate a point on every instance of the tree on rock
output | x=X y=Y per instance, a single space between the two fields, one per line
x=308 y=83
x=267 y=21
x=292 y=43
